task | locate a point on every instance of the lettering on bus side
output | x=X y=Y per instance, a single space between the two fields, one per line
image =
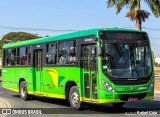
x=38 y=46
x=88 y=40
x=21 y=73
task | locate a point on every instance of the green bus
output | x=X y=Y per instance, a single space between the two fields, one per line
x=106 y=65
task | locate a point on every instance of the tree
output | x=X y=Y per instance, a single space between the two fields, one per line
x=134 y=9
x=17 y=36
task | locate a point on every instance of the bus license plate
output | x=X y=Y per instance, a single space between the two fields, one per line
x=132 y=99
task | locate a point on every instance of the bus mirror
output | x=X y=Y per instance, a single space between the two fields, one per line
x=99 y=51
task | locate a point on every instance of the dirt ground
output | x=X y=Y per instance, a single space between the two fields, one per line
x=157 y=85
x=156 y=72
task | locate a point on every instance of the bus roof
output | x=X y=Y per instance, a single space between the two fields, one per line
x=66 y=36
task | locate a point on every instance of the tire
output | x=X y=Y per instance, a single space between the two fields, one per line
x=74 y=98
x=23 y=91
x=120 y=104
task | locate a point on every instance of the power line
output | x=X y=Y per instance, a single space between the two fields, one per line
x=154 y=38
x=153 y=29
x=147 y=28
x=36 y=29
x=59 y=30
x=67 y=30
x=155 y=44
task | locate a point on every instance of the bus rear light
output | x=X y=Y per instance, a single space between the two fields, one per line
x=108 y=87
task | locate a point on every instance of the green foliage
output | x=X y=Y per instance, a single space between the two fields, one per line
x=154 y=5
x=16 y=36
x=134 y=9
x=156 y=64
x=143 y=14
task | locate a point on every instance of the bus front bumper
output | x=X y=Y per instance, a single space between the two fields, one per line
x=108 y=97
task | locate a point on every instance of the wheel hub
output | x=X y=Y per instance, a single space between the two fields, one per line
x=23 y=90
x=74 y=98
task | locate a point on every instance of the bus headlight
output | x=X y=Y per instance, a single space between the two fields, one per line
x=151 y=85
x=107 y=86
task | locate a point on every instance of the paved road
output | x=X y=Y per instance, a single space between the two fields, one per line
x=93 y=110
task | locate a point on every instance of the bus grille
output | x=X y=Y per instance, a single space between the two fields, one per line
x=125 y=97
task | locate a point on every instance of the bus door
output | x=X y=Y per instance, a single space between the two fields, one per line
x=89 y=72
x=37 y=78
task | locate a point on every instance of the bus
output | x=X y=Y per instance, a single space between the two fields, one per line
x=106 y=65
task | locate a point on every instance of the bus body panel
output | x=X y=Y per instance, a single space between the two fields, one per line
x=52 y=80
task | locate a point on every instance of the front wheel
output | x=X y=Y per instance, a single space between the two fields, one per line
x=74 y=98
x=118 y=104
x=23 y=91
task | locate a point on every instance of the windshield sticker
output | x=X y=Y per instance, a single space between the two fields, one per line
x=135 y=73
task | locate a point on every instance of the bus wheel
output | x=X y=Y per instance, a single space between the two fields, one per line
x=118 y=104
x=23 y=91
x=74 y=98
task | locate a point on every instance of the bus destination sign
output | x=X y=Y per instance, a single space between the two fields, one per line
x=122 y=35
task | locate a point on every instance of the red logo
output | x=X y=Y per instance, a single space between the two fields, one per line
x=132 y=88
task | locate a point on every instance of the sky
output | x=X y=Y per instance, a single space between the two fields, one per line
x=61 y=16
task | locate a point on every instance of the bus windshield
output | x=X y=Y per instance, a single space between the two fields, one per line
x=127 y=60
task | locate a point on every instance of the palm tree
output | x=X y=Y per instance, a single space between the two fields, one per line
x=134 y=9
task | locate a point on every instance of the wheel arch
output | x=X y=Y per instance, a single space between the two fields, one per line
x=68 y=86
x=20 y=80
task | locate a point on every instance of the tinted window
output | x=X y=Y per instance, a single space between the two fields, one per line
x=4 y=57
x=51 y=54
x=29 y=55
x=10 y=57
x=67 y=54
x=22 y=58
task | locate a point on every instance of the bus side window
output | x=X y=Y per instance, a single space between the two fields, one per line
x=7 y=58
x=4 y=57
x=13 y=56
x=18 y=57
x=22 y=58
x=72 y=52
x=10 y=57
x=29 y=55
x=8 y=62
x=67 y=54
x=51 y=53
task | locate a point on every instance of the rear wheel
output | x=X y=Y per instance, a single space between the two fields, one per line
x=118 y=104
x=23 y=91
x=74 y=98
